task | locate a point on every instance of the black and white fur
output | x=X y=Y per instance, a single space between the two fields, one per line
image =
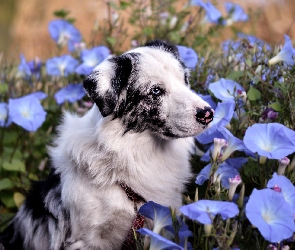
x=140 y=132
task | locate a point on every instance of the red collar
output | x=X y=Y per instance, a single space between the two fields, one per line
x=130 y=241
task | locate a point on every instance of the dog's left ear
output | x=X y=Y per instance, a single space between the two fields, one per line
x=107 y=80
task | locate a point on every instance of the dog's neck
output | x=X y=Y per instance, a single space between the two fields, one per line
x=138 y=222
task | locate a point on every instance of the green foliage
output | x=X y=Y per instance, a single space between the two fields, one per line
x=23 y=155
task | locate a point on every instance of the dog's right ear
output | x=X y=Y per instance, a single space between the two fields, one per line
x=107 y=80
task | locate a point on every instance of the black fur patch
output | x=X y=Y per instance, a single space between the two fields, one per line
x=124 y=67
x=106 y=102
x=12 y=237
x=165 y=46
x=142 y=111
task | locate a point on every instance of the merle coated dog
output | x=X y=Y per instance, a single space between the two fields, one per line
x=133 y=146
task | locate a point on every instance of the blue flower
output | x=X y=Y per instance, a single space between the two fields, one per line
x=213 y=15
x=91 y=58
x=35 y=67
x=233 y=143
x=70 y=93
x=159 y=214
x=27 y=112
x=39 y=95
x=235 y=13
x=271 y=214
x=4 y=121
x=61 y=66
x=204 y=211
x=286 y=188
x=183 y=232
x=226 y=90
x=23 y=68
x=229 y=45
x=157 y=241
x=64 y=33
x=285 y=55
x=188 y=56
x=222 y=116
x=222 y=174
x=209 y=100
x=272 y=140
x=253 y=40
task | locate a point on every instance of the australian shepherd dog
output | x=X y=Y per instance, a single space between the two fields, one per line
x=131 y=147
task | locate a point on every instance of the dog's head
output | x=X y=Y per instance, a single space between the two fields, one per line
x=148 y=89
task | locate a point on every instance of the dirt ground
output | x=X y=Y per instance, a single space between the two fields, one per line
x=27 y=32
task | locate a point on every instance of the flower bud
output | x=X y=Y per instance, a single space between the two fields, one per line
x=219 y=144
x=283 y=163
x=233 y=184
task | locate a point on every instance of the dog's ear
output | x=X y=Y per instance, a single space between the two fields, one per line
x=107 y=80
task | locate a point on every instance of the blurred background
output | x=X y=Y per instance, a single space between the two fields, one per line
x=24 y=23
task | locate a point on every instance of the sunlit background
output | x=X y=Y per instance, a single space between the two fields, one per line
x=23 y=24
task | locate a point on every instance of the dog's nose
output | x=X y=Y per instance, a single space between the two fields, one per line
x=205 y=115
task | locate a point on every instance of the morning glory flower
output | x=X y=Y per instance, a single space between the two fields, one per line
x=157 y=241
x=235 y=13
x=27 y=112
x=233 y=144
x=271 y=214
x=253 y=40
x=283 y=163
x=183 y=232
x=204 y=211
x=222 y=116
x=188 y=56
x=64 y=33
x=272 y=140
x=225 y=90
x=91 y=58
x=61 y=66
x=286 y=187
x=70 y=93
x=218 y=145
x=23 y=69
x=4 y=115
x=233 y=184
x=222 y=174
x=209 y=100
x=39 y=95
x=35 y=66
x=159 y=214
x=213 y=15
x=285 y=55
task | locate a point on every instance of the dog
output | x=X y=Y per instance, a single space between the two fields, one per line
x=131 y=147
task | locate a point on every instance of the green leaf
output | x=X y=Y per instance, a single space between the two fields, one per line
x=5 y=184
x=111 y=40
x=249 y=62
x=3 y=88
x=276 y=106
x=124 y=5
x=253 y=94
x=62 y=13
x=9 y=137
x=7 y=199
x=14 y=165
x=235 y=75
x=18 y=199
x=148 y=31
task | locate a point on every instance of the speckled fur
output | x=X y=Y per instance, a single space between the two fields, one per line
x=130 y=135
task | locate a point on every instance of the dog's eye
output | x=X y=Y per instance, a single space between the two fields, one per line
x=157 y=91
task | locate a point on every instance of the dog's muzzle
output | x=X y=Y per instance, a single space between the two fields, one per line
x=204 y=116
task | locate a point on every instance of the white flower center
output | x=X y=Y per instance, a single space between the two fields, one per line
x=267 y=216
x=26 y=113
